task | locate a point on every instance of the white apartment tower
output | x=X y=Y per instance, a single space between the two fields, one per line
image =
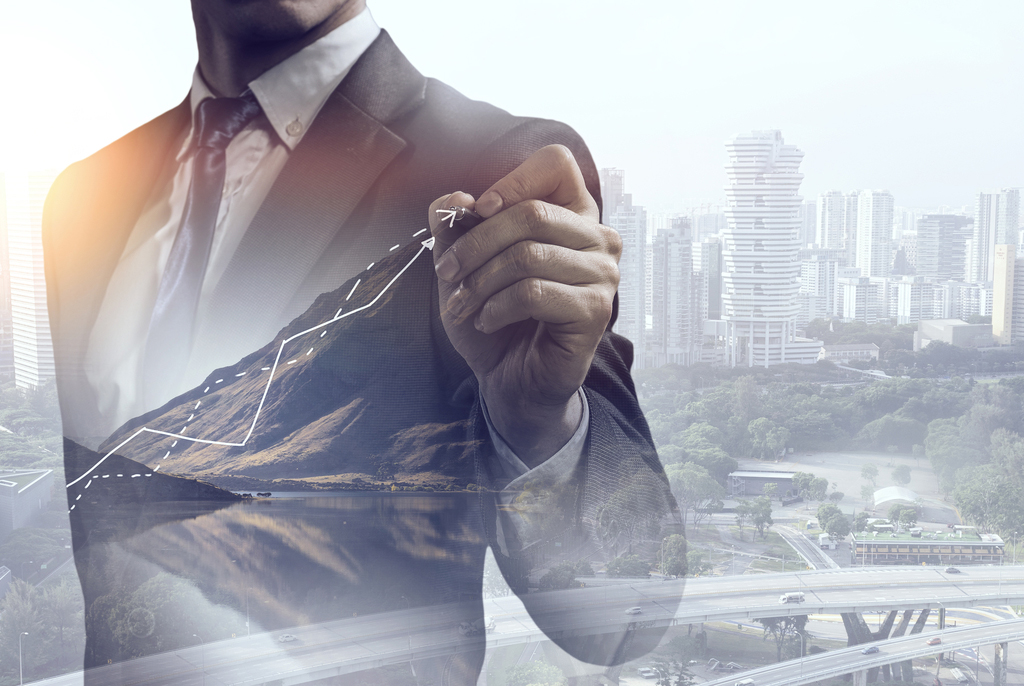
x=837 y=222
x=33 y=348
x=874 y=233
x=760 y=274
x=996 y=222
x=630 y=221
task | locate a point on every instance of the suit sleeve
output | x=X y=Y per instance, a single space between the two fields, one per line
x=616 y=501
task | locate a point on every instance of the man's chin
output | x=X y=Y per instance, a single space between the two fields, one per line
x=272 y=21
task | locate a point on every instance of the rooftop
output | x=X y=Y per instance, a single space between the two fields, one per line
x=941 y=536
x=756 y=474
x=21 y=478
x=850 y=346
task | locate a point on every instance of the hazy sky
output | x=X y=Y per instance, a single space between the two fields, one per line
x=922 y=98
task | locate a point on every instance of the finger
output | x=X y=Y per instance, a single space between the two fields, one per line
x=550 y=174
x=528 y=259
x=530 y=220
x=546 y=301
x=445 y=231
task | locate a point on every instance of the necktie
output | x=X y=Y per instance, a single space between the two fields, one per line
x=169 y=342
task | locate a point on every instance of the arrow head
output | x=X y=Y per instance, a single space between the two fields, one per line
x=428 y=244
x=447 y=215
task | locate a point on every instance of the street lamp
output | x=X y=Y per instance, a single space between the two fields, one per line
x=202 y=653
x=21 y=671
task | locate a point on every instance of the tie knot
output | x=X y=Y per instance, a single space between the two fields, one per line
x=218 y=120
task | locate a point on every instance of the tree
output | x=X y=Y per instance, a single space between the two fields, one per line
x=867 y=493
x=695 y=489
x=19 y=611
x=869 y=472
x=675 y=558
x=902 y=515
x=561 y=576
x=761 y=515
x=769 y=489
x=767 y=439
x=860 y=522
x=61 y=607
x=781 y=629
x=836 y=496
x=901 y=475
x=534 y=674
x=628 y=565
x=696 y=565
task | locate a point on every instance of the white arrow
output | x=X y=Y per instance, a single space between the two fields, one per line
x=448 y=215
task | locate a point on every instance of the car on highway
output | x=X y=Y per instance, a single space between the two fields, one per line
x=792 y=597
x=869 y=650
x=745 y=682
x=647 y=673
x=934 y=641
x=952 y=570
x=286 y=638
x=634 y=611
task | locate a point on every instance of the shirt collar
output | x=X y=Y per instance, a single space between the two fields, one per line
x=291 y=93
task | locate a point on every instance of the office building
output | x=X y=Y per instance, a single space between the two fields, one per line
x=1008 y=296
x=996 y=222
x=675 y=336
x=860 y=298
x=874 y=233
x=941 y=246
x=32 y=346
x=760 y=271
x=953 y=331
x=630 y=222
x=808 y=224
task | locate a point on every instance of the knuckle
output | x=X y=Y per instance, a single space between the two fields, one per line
x=531 y=293
x=535 y=214
x=612 y=241
x=527 y=256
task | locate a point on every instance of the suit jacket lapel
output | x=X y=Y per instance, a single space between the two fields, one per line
x=345 y=150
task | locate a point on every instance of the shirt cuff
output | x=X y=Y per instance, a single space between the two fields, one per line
x=532 y=502
x=510 y=467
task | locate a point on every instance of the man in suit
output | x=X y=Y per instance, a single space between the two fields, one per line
x=307 y=149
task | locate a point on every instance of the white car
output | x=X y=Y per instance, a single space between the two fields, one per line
x=286 y=638
x=634 y=611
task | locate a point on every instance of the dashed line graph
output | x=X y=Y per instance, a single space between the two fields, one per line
x=425 y=245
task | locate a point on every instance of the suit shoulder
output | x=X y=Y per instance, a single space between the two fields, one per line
x=96 y=184
x=499 y=141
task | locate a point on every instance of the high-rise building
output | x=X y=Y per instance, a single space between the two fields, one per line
x=941 y=246
x=33 y=348
x=874 y=233
x=760 y=274
x=675 y=337
x=808 y=224
x=818 y=272
x=630 y=222
x=710 y=267
x=996 y=222
x=6 y=332
x=1004 y=270
x=837 y=222
x=859 y=298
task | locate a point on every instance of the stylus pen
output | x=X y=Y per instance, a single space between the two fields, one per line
x=465 y=217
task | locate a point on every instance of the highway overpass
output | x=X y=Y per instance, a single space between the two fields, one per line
x=354 y=644
x=838 y=662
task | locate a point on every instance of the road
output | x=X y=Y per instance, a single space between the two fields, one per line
x=354 y=644
x=810 y=552
x=838 y=662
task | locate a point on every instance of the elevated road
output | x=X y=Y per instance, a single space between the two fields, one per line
x=838 y=662
x=355 y=644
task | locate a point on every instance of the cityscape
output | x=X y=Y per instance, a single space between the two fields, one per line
x=821 y=376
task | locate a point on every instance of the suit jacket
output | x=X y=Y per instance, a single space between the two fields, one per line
x=387 y=142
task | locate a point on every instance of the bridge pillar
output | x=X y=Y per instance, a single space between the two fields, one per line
x=999 y=665
x=860 y=678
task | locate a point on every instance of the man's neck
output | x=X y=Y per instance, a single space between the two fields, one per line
x=229 y=63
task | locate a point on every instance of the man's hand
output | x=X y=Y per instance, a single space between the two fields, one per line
x=526 y=296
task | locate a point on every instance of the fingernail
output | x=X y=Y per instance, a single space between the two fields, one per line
x=456 y=303
x=448 y=266
x=435 y=218
x=489 y=204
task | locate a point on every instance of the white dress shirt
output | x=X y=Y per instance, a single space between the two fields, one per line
x=290 y=95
